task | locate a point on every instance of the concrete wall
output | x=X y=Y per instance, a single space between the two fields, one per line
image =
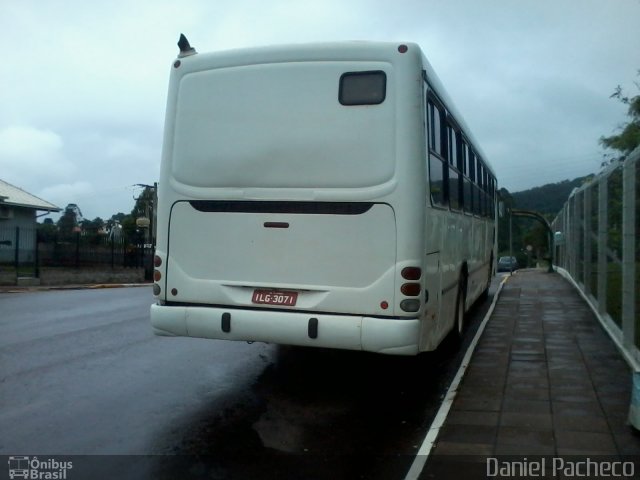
x=72 y=276
x=83 y=276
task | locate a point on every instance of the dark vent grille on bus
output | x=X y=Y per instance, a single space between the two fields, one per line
x=246 y=206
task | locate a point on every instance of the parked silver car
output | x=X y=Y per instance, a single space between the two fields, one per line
x=507 y=264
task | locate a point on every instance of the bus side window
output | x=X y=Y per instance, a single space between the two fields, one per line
x=482 y=182
x=436 y=182
x=466 y=188
x=491 y=196
x=487 y=195
x=480 y=187
x=475 y=191
x=454 y=189
x=435 y=130
x=454 y=177
x=437 y=164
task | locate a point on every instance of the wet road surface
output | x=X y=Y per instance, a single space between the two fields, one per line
x=82 y=374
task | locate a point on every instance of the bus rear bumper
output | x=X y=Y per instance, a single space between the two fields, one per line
x=379 y=335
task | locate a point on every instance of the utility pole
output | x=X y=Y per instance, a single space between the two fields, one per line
x=510 y=243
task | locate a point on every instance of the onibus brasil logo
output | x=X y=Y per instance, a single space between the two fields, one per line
x=33 y=468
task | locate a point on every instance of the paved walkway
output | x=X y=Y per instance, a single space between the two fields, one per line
x=545 y=380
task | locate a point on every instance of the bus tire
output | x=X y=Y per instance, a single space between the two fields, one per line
x=485 y=293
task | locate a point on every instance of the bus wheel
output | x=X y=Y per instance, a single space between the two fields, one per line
x=459 y=319
x=485 y=293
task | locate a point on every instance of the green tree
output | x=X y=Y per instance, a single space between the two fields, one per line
x=503 y=222
x=144 y=203
x=93 y=226
x=93 y=230
x=629 y=138
x=67 y=223
x=47 y=231
x=117 y=219
x=537 y=237
x=142 y=208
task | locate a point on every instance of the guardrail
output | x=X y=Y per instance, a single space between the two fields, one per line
x=596 y=248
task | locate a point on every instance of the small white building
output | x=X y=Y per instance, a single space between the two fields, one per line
x=18 y=213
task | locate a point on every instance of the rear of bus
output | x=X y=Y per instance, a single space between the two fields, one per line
x=289 y=210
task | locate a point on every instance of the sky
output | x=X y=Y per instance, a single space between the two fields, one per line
x=84 y=84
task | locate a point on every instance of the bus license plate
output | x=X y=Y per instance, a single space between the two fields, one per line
x=270 y=297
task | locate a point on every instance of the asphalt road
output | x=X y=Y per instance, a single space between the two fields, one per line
x=82 y=374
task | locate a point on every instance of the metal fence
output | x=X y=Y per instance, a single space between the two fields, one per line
x=596 y=246
x=24 y=250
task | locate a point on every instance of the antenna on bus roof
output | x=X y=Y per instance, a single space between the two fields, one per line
x=185 y=48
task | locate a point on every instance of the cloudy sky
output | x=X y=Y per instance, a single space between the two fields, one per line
x=84 y=83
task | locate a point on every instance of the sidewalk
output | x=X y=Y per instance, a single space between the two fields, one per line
x=545 y=379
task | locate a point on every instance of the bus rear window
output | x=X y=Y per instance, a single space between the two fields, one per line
x=363 y=88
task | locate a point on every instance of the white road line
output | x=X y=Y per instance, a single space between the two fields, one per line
x=429 y=440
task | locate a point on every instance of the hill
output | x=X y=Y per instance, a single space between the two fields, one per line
x=547 y=199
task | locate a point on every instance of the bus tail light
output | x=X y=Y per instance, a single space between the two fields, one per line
x=157 y=275
x=411 y=273
x=410 y=289
x=157 y=261
x=410 y=305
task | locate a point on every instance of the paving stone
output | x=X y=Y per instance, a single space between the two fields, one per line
x=469 y=401
x=582 y=388
x=582 y=454
x=580 y=423
x=524 y=450
x=531 y=406
x=524 y=393
x=619 y=423
x=576 y=408
x=614 y=408
x=570 y=383
x=586 y=396
x=444 y=447
x=452 y=466
x=525 y=437
x=485 y=434
x=520 y=356
x=534 y=421
x=628 y=442
x=527 y=383
x=496 y=383
x=586 y=441
x=464 y=417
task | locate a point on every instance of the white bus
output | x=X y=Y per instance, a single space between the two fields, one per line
x=322 y=195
